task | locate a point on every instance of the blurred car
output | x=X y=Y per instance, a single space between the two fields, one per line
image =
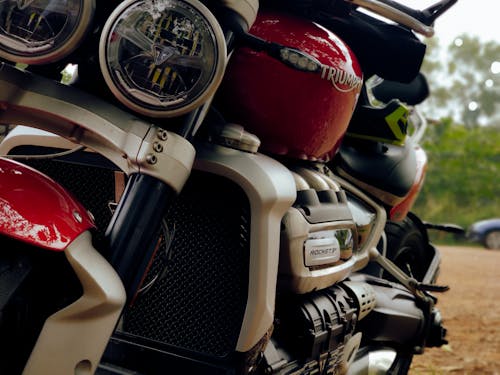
x=486 y=232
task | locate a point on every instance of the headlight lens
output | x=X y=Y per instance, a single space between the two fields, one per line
x=42 y=31
x=162 y=58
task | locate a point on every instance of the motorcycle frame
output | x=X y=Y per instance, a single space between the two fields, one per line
x=126 y=141
x=138 y=147
x=270 y=198
x=83 y=328
x=245 y=169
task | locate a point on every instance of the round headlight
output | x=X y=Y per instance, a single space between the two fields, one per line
x=42 y=31
x=162 y=58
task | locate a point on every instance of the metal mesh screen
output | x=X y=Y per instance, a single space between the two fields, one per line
x=198 y=286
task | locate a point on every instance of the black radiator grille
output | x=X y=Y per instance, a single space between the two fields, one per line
x=199 y=297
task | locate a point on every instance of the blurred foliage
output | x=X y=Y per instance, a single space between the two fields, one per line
x=462 y=184
x=461 y=74
x=463 y=146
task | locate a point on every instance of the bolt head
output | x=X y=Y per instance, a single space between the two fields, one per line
x=162 y=134
x=151 y=159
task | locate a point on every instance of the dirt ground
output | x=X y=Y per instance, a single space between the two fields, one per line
x=471 y=314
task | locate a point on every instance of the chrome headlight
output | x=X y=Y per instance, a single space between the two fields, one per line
x=162 y=58
x=42 y=31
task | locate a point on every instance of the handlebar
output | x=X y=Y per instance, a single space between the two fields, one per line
x=420 y=21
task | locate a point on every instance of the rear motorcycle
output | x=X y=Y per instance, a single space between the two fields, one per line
x=382 y=155
x=209 y=249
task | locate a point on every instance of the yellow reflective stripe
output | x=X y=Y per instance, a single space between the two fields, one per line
x=169 y=21
x=32 y=17
x=195 y=44
x=165 y=75
x=40 y=18
x=152 y=67
x=158 y=27
x=156 y=75
x=174 y=76
x=393 y=119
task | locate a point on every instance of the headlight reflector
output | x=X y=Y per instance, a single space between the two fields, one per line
x=42 y=31
x=162 y=58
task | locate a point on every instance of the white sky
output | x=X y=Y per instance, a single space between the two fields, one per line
x=475 y=17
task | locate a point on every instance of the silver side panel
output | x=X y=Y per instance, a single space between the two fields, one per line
x=73 y=339
x=131 y=143
x=271 y=191
x=24 y=135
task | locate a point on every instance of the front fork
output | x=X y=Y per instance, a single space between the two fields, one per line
x=133 y=232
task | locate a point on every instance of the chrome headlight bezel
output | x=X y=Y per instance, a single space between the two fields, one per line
x=51 y=30
x=126 y=52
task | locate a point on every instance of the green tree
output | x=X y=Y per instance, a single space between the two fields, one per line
x=465 y=81
x=462 y=179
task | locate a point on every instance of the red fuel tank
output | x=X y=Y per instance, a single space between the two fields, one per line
x=295 y=113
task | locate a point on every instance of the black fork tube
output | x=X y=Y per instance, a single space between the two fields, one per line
x=133 y=232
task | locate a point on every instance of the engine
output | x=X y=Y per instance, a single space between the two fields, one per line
x=326 y=308
x=325 y=237
x=191 y=312
x=316 y=331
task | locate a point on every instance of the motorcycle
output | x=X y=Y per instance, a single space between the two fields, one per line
x=383 y=157
x=381 y=149
x=216 y=233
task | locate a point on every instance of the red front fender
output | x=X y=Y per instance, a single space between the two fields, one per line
x=36 y=210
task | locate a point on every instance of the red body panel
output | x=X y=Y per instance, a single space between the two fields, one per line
x=294 y=113
x=400 y=211
x=36 y=210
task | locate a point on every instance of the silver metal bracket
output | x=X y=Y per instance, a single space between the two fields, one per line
x=414 y=286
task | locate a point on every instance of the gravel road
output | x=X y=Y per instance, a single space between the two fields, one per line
x=471 y=313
